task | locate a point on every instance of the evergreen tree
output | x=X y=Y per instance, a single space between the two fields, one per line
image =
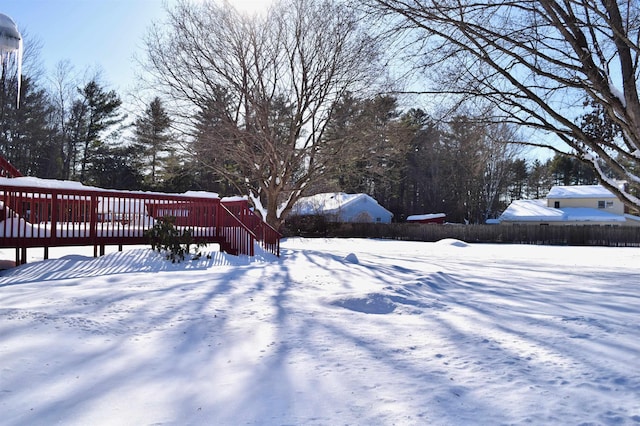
x=213 y=130
x=568 y=170
x=463 y=168
x=152 y=138
x=519 y=178
x=114 y=167
x=94 y=112
x=371 y=156
x=179 y=177
x=540 y=180
x=422 y=181
x=25 y=134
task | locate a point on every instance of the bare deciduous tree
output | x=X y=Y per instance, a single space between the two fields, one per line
x=537 y=61
x=266 y=83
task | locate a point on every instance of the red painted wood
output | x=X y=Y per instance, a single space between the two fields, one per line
x=51 y=217
x=7 y=169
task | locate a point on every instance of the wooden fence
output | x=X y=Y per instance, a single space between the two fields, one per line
x=591 y=235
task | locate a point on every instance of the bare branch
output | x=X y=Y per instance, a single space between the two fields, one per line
x=536 y=61
x=259 y=91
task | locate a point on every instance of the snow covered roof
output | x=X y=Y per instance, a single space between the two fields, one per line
x=580 y=191
x=632 y=218
x=537 y=211
x=426 y=216
x=531 y=210
x=329 y=203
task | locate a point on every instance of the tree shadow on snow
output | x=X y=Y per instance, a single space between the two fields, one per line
x=143 y=260
x=269 y=343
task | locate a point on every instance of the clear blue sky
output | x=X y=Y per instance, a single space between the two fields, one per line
x=90 y=33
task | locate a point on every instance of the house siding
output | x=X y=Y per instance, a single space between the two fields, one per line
x=616 y=208
x=364 y=211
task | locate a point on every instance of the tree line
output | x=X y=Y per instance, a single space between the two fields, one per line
x=408 y=161
x=301 y=100
x=467 y=167
x=66 y=131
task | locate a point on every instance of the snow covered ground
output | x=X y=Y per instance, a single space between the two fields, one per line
x=355 y=332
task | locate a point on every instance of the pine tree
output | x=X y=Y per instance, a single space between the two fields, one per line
x=25 y=134
x=91 y=115
x=115 y=167
x=153 y=137
x=540 y=179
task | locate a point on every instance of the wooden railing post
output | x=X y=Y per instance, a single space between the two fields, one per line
x=218 y=219
x=55 y=205
x=93 y=223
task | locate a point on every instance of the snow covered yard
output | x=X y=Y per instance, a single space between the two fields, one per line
x=334 y=332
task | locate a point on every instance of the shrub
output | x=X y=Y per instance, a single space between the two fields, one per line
x=307 y=226
x=165 y=237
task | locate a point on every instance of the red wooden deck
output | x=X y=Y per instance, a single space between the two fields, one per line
x=43 y=216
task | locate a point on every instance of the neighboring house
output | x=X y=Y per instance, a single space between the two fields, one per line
x=570 y=205
x=589 y=196
x=427 y=218
x=341 y=207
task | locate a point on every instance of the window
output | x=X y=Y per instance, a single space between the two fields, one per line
x=605 y=204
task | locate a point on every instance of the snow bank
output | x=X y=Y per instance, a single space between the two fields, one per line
x=351 y=258
x=452 y=242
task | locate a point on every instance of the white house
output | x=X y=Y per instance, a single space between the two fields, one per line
x=341 y=207
x=570 y=205
x=581 y=196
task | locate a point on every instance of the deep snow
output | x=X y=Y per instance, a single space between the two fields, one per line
x=336 y=331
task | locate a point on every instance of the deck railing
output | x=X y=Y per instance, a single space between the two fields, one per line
x=33 y=216
x=7 y=169
x=268 y=236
